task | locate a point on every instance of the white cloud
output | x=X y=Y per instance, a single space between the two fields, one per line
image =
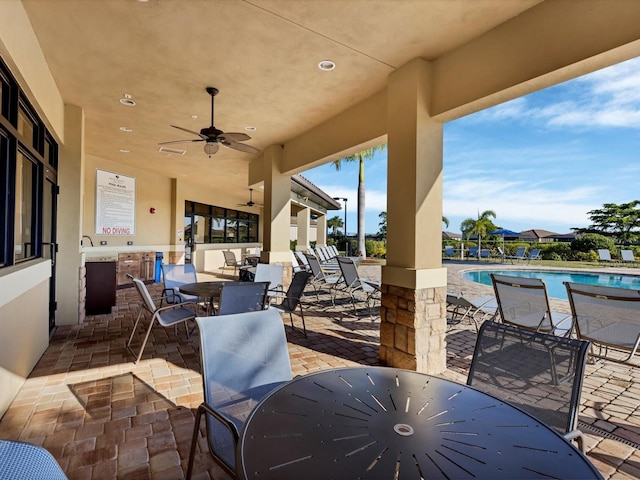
x=606 y=98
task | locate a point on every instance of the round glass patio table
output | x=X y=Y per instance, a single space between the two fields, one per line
x=387 y=423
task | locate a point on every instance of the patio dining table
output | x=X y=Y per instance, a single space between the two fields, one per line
x=209 y=292
x=380 y=422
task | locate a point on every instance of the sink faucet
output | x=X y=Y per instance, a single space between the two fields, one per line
x=87 y=236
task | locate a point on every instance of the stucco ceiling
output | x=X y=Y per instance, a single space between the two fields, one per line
x=262 y=55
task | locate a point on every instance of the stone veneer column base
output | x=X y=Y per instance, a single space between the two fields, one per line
x=413 y=328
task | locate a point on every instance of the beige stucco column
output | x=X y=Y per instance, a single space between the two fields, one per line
x=70 y=276
x=412 y=331
x=321 y=230
x=304 y=225
x=276 y=212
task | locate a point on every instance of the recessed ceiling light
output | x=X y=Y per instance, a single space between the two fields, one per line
x=194 y=117
x=127 y=101
x=326 y=65
x=124 y=150
x=126 y=129
x=250 y=128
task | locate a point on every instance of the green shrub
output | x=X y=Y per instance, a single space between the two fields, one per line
x=556 y=251
x=593 y=242
x=376 y=248
x=292 y=244
x=589 y=256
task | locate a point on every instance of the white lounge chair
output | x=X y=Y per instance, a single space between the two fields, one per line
x=627 y=256
x=604 y=255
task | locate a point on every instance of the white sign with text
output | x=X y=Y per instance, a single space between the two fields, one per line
x=115 y=204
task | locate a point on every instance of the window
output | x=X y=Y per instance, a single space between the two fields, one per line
x=211 y=224
x=25 y=227
x=28 y=153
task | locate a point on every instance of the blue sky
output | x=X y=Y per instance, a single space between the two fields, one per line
x=539 y=161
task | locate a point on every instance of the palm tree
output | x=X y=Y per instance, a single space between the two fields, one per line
x=334 y=223
x=445 y=220
x=360 y=157
x=480 y=226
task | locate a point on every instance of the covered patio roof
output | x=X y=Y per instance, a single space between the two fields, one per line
x=263 y=56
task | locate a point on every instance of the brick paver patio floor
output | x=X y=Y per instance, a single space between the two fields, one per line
x=103 y=417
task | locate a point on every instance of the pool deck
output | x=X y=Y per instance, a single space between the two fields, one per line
x=102 y=417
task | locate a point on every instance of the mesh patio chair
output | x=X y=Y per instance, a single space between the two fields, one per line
x=302 y=258
x=23 y=461
x=167 y=316
x=295 y=264
x=241 y=297
x=627 y=256
x=271 y=273
x=230 y=260
x=518 y=256
x=476 y=310
x=539 y=373
x=328 y=265
x=173 y=276
x=293 y=298
x=524 y=302
x=534 y=254
x=609 y=318
x=604 y=255
x=319 y=278
x=449 y=252
x=353 y=284
x=243 y=357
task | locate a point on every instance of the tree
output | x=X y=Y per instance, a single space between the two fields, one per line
x=480 y=226
x=360 y=157
x=382 y=232
x=619 y=221
x=334 y=223
x=445 y=220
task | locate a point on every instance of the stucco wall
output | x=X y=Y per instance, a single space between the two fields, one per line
x=24 y=329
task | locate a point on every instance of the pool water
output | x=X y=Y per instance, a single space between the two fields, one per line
x=553 y=280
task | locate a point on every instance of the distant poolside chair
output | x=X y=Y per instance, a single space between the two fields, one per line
x=534 y=254
x=473 y=252
x=520 y=254
x=448 y=251
x=604 y=255
x=485 y=253
x=476 y=310
x=627 y=256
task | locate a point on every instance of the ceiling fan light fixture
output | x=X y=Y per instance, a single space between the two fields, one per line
x=210 y=148
x=326 y=65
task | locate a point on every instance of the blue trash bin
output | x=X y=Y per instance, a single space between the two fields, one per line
x=159 y=258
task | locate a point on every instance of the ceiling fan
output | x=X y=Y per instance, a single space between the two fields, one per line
x=214 y=137
x=250 y=203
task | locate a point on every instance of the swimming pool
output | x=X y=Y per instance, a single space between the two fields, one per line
x=553 y=279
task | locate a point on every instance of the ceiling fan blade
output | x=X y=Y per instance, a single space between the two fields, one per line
x=240 y=146
x=180 y=141
x=234 y=137
x=190 y=131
